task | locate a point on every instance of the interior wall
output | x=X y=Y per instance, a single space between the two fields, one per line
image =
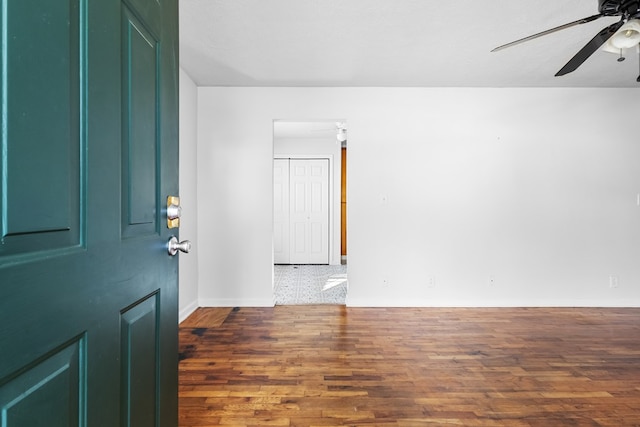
x=188 y=263
x=319 y=146
x=458 y=196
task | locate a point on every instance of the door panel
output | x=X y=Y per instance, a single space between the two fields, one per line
x=50 y=34
x=318 y=212
x=281 y=211
x=139 y=344
x=298 y=242
x=139 y=139
x=299 y=194
x=151 y=10
x=48 y=393
x=309 y=183
x=317 y=239
x=88 y=294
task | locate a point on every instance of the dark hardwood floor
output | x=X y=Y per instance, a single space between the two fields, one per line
x=337 y=366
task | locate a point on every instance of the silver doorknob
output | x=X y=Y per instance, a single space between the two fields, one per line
x=174 y=246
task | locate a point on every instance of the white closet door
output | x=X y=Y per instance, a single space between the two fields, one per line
x=309 y=211
x=281 y=211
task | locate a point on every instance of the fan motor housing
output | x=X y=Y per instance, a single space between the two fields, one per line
x=626 y=8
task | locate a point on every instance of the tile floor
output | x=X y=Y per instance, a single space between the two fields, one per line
x=310 y=284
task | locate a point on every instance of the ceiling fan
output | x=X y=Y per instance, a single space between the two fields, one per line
x=617 y=37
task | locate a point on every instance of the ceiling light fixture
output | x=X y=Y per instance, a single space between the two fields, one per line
x=626 y=37
x=341 y=129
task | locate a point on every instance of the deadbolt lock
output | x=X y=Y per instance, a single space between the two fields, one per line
x=173 y=212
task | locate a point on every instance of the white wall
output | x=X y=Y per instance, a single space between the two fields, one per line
x=324 y=147
x=536 y=188
x=188 y=264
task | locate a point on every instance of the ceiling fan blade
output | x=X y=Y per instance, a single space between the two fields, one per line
x=589 y=48
x=552 y=30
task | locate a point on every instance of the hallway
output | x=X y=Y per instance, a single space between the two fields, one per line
x=310 y=284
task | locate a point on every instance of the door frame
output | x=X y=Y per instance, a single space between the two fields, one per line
x=333 y=221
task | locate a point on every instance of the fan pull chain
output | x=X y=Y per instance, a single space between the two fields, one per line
x=622 y=58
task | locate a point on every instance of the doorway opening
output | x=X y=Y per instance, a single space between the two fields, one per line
x=309 y=212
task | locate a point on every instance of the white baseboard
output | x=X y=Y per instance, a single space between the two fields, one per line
x=233 y=302
x=186 y=312
x=377 y=302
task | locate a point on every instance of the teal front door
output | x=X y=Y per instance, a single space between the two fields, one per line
x=89 y=155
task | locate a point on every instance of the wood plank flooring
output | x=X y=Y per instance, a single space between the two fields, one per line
x=338 y=366
x=206 y=318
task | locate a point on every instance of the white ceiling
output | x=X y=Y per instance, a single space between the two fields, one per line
x=393 y=43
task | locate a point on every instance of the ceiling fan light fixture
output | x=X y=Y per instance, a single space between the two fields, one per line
x=608 y=47
x=627 y=36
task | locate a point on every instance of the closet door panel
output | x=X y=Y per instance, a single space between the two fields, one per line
x=309 y=216
x=281 y=211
